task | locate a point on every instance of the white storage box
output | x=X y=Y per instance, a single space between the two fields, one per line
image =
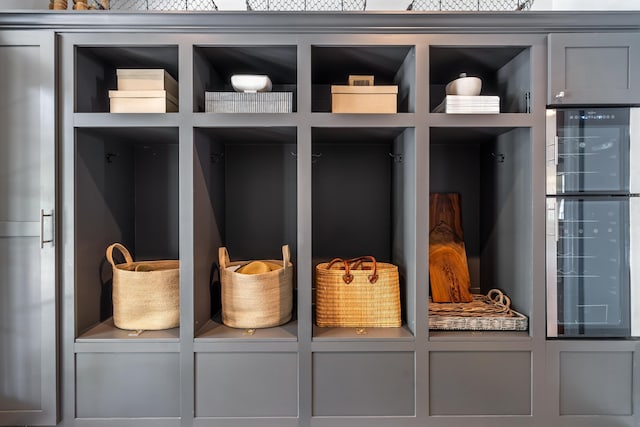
x=147 y=79
x=364 y=99
x=469 y=104
x=142 y=101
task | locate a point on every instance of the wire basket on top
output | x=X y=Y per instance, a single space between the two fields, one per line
x=470 y=5
x=304 y=5
x=166 y=5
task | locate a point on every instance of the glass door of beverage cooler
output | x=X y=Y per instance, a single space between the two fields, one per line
x=589 y=151
x=588 y=270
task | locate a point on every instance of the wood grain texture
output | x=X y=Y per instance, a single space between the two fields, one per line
x=448 y=268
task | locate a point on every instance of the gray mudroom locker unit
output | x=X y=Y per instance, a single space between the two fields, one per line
x=75 y=178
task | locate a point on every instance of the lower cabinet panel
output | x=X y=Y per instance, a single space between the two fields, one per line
x=596 y=383
x=363 y=384
x=127 y=385
x=246 y=385
x=480 y=383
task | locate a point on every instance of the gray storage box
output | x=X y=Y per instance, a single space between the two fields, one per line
x=248 y=102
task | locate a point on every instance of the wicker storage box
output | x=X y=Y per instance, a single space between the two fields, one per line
x=261 y=300
x=364 y=99
x=360 y=292
x=146 y=294
x=491 y=312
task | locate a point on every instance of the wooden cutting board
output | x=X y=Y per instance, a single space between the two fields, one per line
x=448 y=268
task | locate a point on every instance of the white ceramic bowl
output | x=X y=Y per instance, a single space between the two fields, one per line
x=250 y=83
x=464 y=85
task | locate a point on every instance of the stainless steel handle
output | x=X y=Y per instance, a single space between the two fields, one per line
x=552 y=220
x=42 y=216
x=552 y=268
x=634 y=260
x=559 y=95
x=634 y=150
x=551 y=152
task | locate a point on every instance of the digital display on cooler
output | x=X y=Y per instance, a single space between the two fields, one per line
x=592 y=116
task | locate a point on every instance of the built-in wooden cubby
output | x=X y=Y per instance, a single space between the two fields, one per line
x=505 y=71
x=126 y=190
x=95 y=70
x=361 y=182
x=245 y=200
x=491 y=169
x=214 y=66
x=390 y=65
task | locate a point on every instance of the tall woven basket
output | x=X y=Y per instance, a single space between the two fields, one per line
x=359 y=292
x=146 y=294
x=253 y=301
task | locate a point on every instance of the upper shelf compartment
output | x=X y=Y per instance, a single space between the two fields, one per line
x=390 y=65
x=505 y=71
x=95 y=71
x=214 y=65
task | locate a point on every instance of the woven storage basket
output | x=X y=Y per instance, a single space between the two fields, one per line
x=146 y=294
x=359 y=292
x=491 y=312
x=260 y=300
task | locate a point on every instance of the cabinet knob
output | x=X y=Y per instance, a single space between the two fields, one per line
x=559 y=95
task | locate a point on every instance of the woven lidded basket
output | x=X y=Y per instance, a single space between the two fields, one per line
x=146 y=294
x=359 y=292
x=261 y=300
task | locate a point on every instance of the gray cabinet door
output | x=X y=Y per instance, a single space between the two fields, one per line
x=28 y=333
x=588 y=69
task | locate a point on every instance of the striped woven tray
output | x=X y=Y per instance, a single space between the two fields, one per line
x=491 y=312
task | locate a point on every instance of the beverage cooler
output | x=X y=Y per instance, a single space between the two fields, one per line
x=593 y=222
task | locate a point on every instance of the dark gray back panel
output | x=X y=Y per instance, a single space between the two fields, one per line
x=363 y=384
x=352 y=200
x=480 y=383
x=246 y=385
x=156 y=201
x=260 y=200
x=455 y=168
x=596 y=383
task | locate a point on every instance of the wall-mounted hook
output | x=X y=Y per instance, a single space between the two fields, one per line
x=215 y=157
x=314 y=156
x=396 y=157
x=498 y=156
x=109 y=157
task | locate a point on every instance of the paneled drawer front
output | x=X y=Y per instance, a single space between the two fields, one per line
x=127 y=385
x=596 y=383
x=480 y=383
x=363 y=384
x=246 y=385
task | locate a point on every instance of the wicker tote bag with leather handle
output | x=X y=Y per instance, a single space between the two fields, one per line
x=358 y=292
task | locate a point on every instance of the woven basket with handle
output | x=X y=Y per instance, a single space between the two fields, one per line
x=146 y=294
x=359 y=292
x=260 y=300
